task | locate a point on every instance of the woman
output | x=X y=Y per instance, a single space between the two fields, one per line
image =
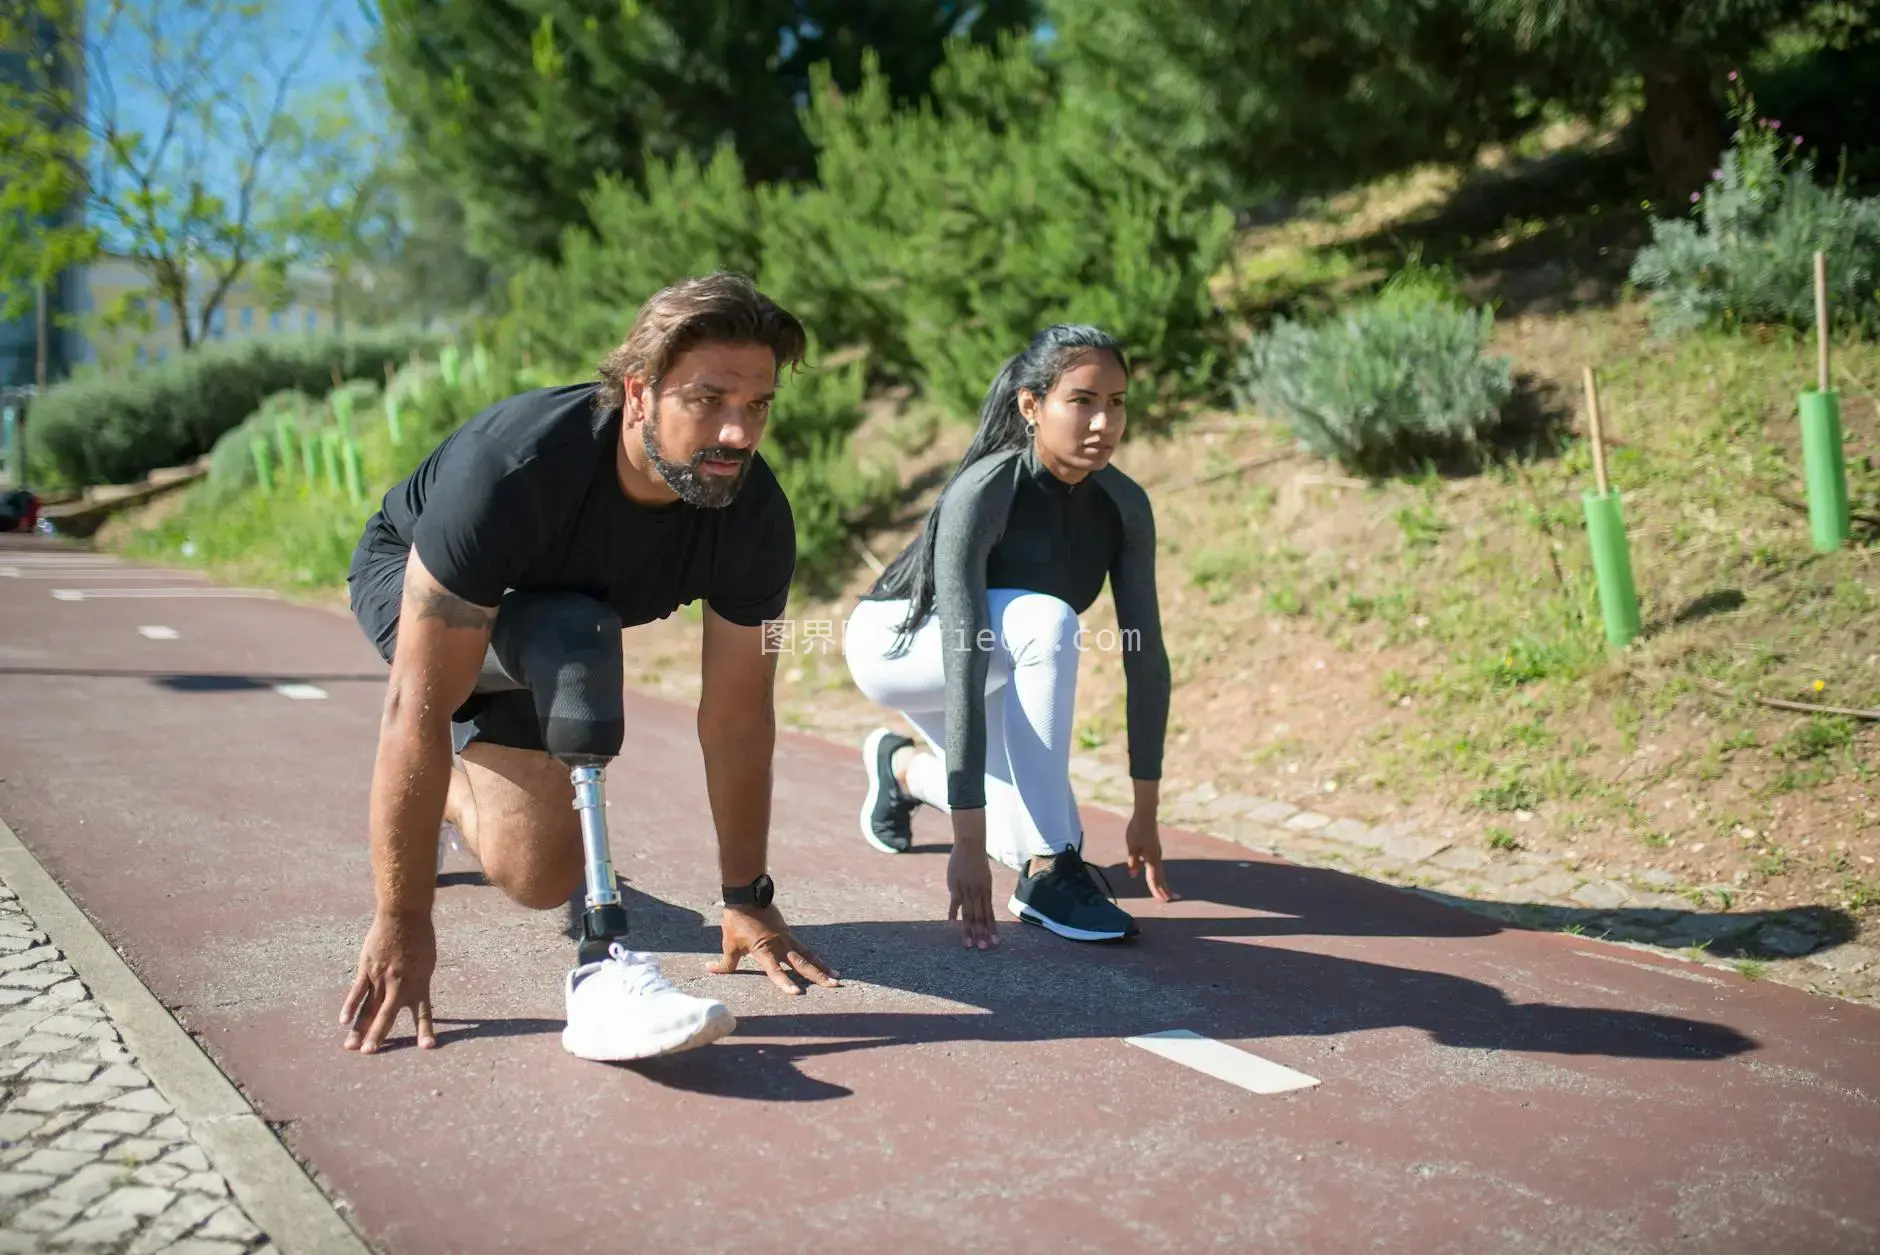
x=972 y=634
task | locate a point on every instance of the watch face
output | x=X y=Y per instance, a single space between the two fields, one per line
x=765 y=890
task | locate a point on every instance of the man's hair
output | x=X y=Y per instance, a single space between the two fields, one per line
x=720 y=307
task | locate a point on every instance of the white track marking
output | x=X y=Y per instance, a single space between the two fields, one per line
x=40 y=559
x=1223 y=1062
x=301 y=692
x=205 y=590
x=157 y=632
x=88 y=573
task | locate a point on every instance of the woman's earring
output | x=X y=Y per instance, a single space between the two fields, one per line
x=1031 y=430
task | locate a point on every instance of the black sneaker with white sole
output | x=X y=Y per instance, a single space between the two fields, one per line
x=887 y=811
x=1065 y=899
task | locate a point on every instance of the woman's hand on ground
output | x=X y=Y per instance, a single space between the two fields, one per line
x=969 y=881
x=1144 y=839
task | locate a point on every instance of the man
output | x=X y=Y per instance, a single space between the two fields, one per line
x=643 y=491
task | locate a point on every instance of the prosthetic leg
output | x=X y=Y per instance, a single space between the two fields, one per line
x=564 y=650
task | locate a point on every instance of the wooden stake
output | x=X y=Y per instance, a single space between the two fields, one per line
x=868 y=555
x=1599 y=442
x=1821 y=318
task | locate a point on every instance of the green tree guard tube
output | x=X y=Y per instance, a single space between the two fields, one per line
x=1612 y=566
x=391 y=421
x=285 y=444
x=349 y=452
x=258 y=445
x=1824 y=465
x=329 y=454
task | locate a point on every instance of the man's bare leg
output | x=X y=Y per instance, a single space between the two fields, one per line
x=515 y=809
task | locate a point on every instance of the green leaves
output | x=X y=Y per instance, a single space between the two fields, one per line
x=43 y=154
x=519 y=105
x=691 y=218
x=545 y=56
x=1286 y=97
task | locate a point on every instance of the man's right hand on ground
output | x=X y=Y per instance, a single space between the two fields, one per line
x=442 y=640
x=395 y=967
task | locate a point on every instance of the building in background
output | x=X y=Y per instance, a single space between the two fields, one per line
x=70 y=330
x=20 y=338
x=154 y=336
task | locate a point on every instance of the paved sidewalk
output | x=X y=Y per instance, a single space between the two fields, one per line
x=94 y=1158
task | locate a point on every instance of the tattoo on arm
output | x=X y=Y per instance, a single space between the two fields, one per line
x=451 y=610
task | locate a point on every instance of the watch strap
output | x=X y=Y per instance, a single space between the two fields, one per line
x=757 y=893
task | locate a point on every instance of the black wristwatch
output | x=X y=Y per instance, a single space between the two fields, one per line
x=758 y=893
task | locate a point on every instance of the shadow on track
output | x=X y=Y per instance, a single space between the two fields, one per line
x=1216 y=963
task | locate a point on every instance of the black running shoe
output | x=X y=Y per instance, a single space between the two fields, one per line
x=888 y=809
x=1065 y=899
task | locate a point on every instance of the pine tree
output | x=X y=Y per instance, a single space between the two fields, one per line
x=1280 y=97
x=521 y=105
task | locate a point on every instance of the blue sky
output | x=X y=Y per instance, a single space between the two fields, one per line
x=335 y=53
x=334 y=43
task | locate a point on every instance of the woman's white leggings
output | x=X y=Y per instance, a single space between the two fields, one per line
x=1031 y=695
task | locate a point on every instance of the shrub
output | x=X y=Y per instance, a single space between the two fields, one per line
x=1398 y=378
x=689 y=219
x=302 y=534
x=117 y=429
x=1747 y=253
x=847 y=250
x=808 y=445
x=945 y=236
x=941 y=237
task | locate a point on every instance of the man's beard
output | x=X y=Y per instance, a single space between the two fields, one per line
x=694 y=486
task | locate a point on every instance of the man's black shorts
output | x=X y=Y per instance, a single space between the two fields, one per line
x=376 y=582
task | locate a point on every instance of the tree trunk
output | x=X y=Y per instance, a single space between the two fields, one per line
x=1682 y=130
x=178 y=297
x=43 y=339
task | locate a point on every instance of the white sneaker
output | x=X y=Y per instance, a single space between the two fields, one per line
x=624 y=1008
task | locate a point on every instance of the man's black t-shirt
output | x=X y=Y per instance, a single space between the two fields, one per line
x=526 y=496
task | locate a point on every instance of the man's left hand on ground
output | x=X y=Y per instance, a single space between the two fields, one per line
x=765 y=938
